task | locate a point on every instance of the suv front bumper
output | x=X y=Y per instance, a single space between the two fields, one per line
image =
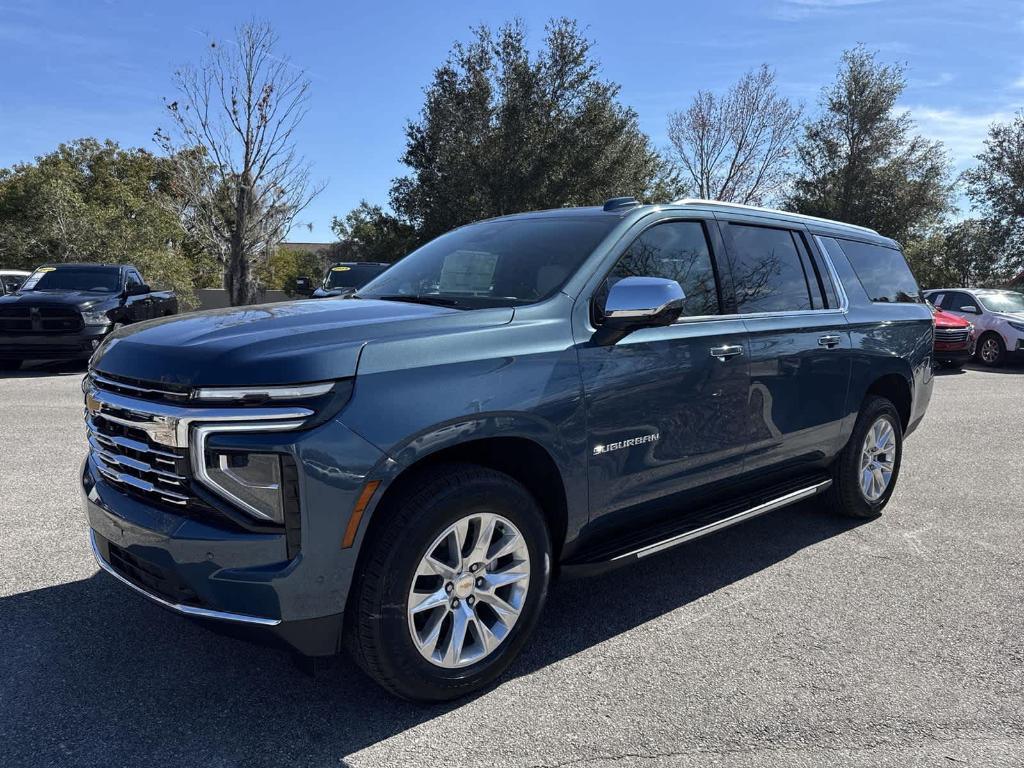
x=78 y=345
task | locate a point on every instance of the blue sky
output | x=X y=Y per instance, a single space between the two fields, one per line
x=100 y=69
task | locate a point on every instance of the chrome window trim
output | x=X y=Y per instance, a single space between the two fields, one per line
x=198 y=457
x=188 y=610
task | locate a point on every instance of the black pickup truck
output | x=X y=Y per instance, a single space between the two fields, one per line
x=64 y=311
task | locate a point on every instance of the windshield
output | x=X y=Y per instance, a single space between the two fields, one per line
x=1004 y=301
x=494 y=263
x=91 y=279
x=352 y=275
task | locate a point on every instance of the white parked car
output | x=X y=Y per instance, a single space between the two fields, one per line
x=998 y=318
x=11 y=280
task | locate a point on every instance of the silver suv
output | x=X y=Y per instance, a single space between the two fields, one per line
x=998 y=318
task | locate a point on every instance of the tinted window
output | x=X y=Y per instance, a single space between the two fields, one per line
x=132 y=278
x=495 y=263
x=957 y=301
x=676 y=250
x=767 y=270
x=93 y=279
x=882 y=271
x=352 y=275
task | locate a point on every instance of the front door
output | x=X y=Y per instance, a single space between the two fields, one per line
x=665 y=406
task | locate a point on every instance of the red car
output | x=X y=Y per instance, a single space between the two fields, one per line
x=954 y=339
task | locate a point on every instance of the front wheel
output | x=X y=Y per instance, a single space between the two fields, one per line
x=864 y=475
x=991 y=349
x=451 y=584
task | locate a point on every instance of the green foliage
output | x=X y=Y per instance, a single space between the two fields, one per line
x=859 y=161
x=996 y=186
x=279 y=271
x=964 y=254
x=369 y=233
x=93 y=201
x=504 y=131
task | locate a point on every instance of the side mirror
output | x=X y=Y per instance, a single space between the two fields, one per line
x=639 y=302
x=304 y=286
x=970 y=310
x=137 y=290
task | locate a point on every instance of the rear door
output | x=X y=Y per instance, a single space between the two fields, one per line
x=799 y=343
x=665 y=415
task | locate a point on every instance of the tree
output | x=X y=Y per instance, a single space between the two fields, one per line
x=965 y=254
x=996 y=187
x=860 y=162
x=369 y=233
x=503 y=131
x=238 y=174
x=737 y=147
x=94 y=201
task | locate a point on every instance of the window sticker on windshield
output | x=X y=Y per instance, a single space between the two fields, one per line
x=46 y=269
x=468 y=272
x=340 y=269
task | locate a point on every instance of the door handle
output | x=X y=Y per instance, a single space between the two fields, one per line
x=829 y=341
x=724 y=353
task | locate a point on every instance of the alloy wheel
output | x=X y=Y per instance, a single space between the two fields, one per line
x=877 y=459
x=989 y=350
x=468 y=590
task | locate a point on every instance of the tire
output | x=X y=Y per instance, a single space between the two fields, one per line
x=991 y=350
x=848 y=495
x=10 y=365
x=379 y=625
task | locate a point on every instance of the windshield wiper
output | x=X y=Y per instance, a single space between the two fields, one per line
x=438 y=301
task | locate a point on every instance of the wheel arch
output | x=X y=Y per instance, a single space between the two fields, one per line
x=896 y=388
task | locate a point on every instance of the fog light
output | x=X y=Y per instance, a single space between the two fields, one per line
x=251 y=480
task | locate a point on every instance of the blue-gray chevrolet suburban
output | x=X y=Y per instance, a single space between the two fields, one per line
x=403 y=472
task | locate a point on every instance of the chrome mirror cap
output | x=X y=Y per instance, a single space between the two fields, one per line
x=636 y=298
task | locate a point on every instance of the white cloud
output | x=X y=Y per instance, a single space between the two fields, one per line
x=962 y=133
x=796 y=10
x=943 y=78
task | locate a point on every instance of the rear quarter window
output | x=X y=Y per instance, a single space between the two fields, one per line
x=882 y=271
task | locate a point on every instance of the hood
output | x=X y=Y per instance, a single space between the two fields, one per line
x=1017 y=317
x=948 y=320
x=288 y=343
x=78 y=299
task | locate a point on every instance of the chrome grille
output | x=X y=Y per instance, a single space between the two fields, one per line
x=128 y=458
x=141 y=389
x=951 y=335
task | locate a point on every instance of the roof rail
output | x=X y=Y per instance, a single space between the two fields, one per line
x=614 y=203
x=741 y=206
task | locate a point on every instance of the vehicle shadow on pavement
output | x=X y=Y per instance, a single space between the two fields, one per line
x=92 y=674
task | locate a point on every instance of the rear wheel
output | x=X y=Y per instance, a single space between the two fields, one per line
x=451 y=585
x=864 y=475
x=991 y=349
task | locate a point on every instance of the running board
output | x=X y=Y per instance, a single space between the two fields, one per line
x=660 y=545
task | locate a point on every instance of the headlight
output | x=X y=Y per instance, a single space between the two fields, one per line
x=1017 y=326
x=251 y=480
x=95 y=317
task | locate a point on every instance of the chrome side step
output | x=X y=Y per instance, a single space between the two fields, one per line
x=785 y=500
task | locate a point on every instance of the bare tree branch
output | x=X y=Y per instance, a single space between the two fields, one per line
x=238 y=175
x=737 y=147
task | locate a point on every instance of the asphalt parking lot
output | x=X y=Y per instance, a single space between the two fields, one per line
x=795 y=639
